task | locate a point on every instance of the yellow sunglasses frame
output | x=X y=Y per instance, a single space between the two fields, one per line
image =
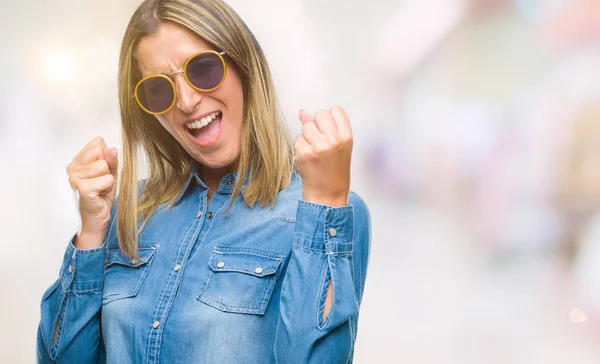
x=173 y=87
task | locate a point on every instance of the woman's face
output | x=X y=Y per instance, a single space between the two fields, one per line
x=216 y=145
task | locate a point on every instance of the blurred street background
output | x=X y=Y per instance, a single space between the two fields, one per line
x=477 y=150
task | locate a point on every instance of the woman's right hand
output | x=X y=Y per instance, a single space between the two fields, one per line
x=93 y=174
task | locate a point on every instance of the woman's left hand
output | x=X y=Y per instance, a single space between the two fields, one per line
x=323 y=155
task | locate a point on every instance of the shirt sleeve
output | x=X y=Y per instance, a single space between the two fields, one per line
x=330 y=244
x=69 y=329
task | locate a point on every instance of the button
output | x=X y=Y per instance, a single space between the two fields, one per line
x=210 y=215
x=135 y=261
x=199 y=214
x=156 y=324
x=332 y=232
x=177 y=268
x=71 y=269
x=220 y=265
x=229 y=182
x=258 y=270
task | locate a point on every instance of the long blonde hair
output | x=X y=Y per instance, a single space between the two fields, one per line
x=266 y=155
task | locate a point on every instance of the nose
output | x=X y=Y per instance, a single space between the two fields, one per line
x=187 y=97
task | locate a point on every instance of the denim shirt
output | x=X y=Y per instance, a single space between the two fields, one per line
x=248 y=286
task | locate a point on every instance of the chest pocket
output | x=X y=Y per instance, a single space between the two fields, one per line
x=124 y=276
x=241 y=280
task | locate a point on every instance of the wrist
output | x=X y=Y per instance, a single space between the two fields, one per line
x=326 y=200
x=86 y=240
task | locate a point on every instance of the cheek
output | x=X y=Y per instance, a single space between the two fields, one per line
x=238 y=101
x=235 y=93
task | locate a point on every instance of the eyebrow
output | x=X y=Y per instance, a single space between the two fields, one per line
x=166 y=74
x=181 y=70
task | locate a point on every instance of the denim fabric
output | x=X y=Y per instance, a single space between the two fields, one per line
x=248 y=286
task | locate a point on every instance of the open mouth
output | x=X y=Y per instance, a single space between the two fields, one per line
x=206 y=130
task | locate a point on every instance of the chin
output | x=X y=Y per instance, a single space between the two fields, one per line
x=215 y=162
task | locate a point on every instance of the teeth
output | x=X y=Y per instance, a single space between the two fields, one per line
x=197 y=124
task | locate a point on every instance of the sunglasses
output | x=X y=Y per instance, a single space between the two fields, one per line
x=204 y=71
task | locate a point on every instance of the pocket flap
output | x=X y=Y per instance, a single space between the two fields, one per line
x=116 y=256
x=253 y=262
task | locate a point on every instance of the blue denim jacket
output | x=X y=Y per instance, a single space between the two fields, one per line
x=248 y=286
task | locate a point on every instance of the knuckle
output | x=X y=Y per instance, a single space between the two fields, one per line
x=321 y=113
x=321 y=148
x=97 y=151
x=104 y=166
x=303 y=154
x=336 y=109
x=80 y=187
x=307 y=126
x=332 y=140
x=346 y=139
x=299 y=150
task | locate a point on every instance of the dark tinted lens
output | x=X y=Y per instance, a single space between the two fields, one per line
x=205 y=71
x=155 y=94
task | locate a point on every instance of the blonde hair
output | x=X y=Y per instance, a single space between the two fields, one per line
x=266 y=155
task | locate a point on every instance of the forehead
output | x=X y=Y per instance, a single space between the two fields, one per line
x=167 y=49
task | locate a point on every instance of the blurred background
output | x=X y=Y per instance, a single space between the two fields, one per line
x=477 y=149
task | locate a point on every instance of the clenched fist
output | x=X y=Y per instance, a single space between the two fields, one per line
x=93 y=174
x=323 y=155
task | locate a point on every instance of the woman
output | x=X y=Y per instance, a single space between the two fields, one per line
x=239 y=247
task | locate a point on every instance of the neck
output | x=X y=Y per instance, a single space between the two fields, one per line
x=212 y=176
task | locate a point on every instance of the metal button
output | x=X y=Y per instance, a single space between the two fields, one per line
x=199 y=214
x=220 y=264
x=258 y=270
x=156 y=324
x=229 y=182
x=177 y=267
x=71 y=269
x=210 y=215
x=332 y=232
x=135 y=261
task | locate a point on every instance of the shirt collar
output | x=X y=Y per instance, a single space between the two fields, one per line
x=225 y=186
